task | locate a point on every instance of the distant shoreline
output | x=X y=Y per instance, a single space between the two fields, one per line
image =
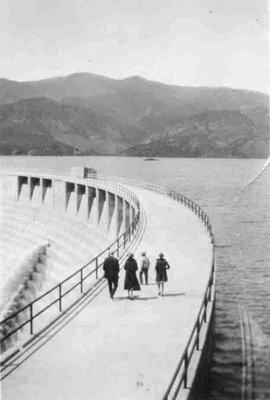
x=155 y=158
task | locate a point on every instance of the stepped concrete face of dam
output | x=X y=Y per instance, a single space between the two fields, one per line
x=49 y=228
x=117 y=349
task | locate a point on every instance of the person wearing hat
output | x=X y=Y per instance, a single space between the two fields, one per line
x=131 y=280
x=144 y=268
x=111 y=273
x=161 y=273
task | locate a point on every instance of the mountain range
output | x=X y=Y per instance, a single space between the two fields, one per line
x=90 y=114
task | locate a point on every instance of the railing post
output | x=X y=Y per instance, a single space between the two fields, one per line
x=96 y=268
x=185 y=369
x=205 y=309
x=60 y=296
x=198 y=334
x=81 y=279
x=117 y=247
x=210 y=292
x=31 y=319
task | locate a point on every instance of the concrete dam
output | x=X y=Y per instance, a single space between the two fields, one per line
x=61 y=334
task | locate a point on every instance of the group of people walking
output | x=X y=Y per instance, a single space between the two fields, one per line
x=131 y=284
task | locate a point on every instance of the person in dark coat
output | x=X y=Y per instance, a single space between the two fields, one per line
x=161 y=273
x=131 y=280
x=111 y=273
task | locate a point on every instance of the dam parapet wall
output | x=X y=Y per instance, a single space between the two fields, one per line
x=96 y=202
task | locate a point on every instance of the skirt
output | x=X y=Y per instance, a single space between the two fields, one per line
x=161 y=276
x=131 y=281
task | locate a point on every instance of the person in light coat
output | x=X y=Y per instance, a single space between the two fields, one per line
x=144 y=268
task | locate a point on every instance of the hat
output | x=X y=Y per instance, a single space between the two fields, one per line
x=161 y=255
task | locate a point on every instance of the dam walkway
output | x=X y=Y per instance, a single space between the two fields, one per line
x=124 y=349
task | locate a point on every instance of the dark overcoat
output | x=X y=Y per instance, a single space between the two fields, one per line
x=161 y=270
x=131 y=280
x=111 y=268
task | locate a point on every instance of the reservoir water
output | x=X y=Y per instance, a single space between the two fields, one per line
x=236 y=195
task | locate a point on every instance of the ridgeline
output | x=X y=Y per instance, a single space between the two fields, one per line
x=87 y=114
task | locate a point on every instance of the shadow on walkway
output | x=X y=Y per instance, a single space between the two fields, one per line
x=120 y=298
x=149 y=284
x=136 y=298
x=145 y=298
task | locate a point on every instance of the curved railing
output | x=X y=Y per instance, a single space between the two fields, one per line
x=25 y=316
x=180 y=376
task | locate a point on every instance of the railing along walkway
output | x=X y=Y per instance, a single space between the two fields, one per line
x=180 y=376
x=25 y=316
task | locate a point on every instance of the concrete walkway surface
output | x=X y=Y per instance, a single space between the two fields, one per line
x=123 y=349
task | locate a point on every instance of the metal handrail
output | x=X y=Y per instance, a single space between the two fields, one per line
x=181 y=372
x=114 y=247
x=166 y=191
x=194 y=338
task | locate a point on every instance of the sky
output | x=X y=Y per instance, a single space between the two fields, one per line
x=181 y=42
